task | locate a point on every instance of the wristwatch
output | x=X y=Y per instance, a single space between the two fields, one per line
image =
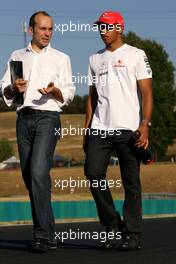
x=148 y=122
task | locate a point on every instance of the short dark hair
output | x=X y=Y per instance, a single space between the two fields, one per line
x=32 y=18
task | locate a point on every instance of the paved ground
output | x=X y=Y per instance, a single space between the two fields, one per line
x=159 y=245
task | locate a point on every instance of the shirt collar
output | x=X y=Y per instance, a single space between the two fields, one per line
x=29 y=48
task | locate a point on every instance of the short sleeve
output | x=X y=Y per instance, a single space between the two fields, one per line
x=91 y=75
x=143 y=69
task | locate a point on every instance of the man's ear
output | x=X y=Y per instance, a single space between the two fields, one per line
x=31 y=30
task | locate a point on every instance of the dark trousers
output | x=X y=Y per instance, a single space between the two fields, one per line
x=36 y=140
x=99 y=151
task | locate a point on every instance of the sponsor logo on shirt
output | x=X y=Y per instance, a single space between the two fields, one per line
x=103 y=69
x=119 y=64
x=103 y=73
x=147 y=64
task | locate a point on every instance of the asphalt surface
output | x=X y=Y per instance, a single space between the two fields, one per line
x=159 y=245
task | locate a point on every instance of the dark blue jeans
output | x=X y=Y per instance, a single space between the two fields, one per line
x=36 y=140
x=99 y=151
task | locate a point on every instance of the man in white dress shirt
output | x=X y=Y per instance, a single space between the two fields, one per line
x=46 y=86
x=113 y=114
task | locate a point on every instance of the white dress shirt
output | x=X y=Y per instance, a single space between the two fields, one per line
x=39 y=69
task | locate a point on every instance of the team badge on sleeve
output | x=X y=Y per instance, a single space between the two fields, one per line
x=147 y=64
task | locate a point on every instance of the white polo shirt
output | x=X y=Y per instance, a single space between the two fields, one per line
x=115 y=75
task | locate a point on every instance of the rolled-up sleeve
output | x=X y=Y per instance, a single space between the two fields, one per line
x=6 y=81
x=66 y=84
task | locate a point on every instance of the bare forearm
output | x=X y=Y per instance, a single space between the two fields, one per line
x=147 y=105
x=91 y=105
x=88 y=118
x=145 y=87
x=8 y=92
x=89 y=112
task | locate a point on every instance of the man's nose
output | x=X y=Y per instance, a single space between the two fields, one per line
x=104 y=32
x=48 y=32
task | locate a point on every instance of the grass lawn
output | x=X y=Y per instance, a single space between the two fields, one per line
x=68 y=146
x=155 y=178
x=158 y=177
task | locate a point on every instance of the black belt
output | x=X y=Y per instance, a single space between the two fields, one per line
x=30 y=111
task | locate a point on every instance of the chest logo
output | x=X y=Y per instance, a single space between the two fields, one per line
x=119 y=63
x=103 y=69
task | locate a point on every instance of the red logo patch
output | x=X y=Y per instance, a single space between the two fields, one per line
x=119 y=64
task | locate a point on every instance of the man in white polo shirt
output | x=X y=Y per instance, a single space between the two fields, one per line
x=46 y=86
x=116 y=74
